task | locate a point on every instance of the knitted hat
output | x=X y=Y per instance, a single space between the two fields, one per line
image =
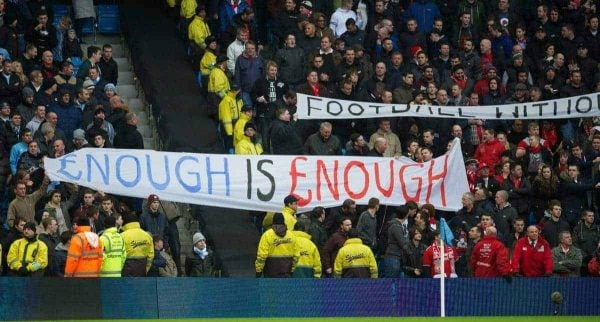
x=28 y=92
x=79 y=134
x=111 y=87
x=152 y=198
x=278 y=219
x=88 y=84
x=197 y=237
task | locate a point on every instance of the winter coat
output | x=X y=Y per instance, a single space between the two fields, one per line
x=355 y=260
x=85 y=254
x=532 y=261
x=489 y=258
x=309 y=260
x=277 y=255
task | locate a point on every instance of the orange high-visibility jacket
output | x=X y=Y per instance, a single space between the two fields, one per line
x=84 y=258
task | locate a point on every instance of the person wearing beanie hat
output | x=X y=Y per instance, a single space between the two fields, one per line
x=154 y=221
x=246 y=113
x=218 y=82
x=248 y=144
x=200 y=261
x=139 y=258
x=276 y=255
x=110 y=87
x=27 y=256
x=209 y=59
x=229 y=112
x=198 y=29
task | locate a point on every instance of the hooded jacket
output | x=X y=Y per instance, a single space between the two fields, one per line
x=309 y=260
x=277 y=255
x=355 y=260
x=85 y=253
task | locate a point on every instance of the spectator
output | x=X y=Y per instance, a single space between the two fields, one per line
x=367 y=224
x=553 y=225
x=154 y=221
x=399 y=239
x=108 y=66
x=394 y=148
x=432 y=259
x=291 y=61
x=574 y=193
x=354 y=259
x=341 y=15
x=129 y=137
x=24 y=204
x=93 y=57
x=532 y=256
x=72 y=46
x=286 y=22
x=586 y=236
x=10 y=85
x=290 y=207
x=162 y=264
x=333 y=245
x=200 y=261
x=566 y=257
x=60 y=254
x=41 y=33
x=235 y=49
x=283 y=138
x=322 y=142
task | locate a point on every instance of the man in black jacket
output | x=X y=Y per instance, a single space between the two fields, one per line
x=284 y=139
x=128 y=137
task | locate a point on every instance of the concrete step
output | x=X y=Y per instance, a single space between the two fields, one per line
x=144 y=130
x=149 y=143
x=127 y=91
x=135 y=104
x=126 y=78
x=123 y=64
x=142 y=116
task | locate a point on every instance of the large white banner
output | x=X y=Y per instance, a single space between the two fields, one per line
x=262 y=182
x=320 y=108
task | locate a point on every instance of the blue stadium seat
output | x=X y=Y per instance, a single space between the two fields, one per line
x=59 y=10
x=87 y=27
x=108 y=19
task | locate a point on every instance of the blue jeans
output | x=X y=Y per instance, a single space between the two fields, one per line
x=246 y=98
x=392 y=267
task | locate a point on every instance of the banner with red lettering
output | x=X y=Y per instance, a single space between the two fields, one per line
x=262 y=182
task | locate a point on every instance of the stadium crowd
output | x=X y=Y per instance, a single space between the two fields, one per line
x=533 y=200
x=532 y=208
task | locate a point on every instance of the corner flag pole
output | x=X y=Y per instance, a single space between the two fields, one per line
x=442 y=279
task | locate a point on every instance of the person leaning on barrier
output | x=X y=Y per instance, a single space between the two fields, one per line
x=355 y=259
x=277 y=254
x=200 y=261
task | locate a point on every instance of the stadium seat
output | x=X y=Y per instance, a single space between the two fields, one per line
x=108 y=19
x=59 y=10
x=87 y=27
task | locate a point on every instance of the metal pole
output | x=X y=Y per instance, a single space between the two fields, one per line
x=442 y=280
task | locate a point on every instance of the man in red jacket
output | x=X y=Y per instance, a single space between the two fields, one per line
x=490 y=257
x=532 y=256
x=490 y=150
